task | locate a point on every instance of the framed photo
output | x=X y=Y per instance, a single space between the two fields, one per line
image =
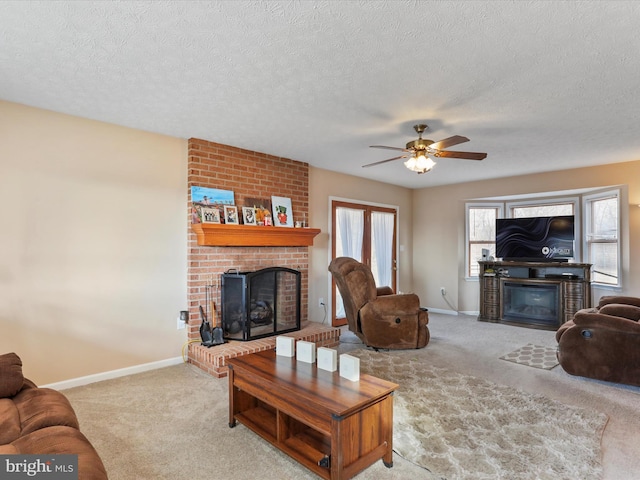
x=282 y=214
x=231 y=215
x=263 y=209
x=249 y=215
x=210 y=214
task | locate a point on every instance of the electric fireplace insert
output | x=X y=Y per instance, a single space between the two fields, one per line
x=535 y=304
x=260 y=304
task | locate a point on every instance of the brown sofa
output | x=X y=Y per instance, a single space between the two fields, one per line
x=603 y=342
x=41 y=421
x=380 y=318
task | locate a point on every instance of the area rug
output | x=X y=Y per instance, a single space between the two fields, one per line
x=460 y=427
x=533 y=356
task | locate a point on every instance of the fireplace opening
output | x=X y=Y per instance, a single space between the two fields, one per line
x=531 y=304
x=261 y=303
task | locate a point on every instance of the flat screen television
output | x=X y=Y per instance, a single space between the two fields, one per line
x=535 y=239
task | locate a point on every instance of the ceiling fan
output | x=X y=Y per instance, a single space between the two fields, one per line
x=419 y=151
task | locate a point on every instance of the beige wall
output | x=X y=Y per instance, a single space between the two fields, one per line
x=439 y=228
x=325 y=184
x=92 y=244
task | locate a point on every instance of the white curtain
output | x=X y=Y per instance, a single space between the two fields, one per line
x=349 y=234
x=381 y=247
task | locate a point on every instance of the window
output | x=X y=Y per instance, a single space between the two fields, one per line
x=481 y=233
x=544 y=210
x=602 y=233
x=599 y=220
x=551 y=208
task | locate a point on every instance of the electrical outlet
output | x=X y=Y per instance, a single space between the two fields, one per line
x=180 y=324
x=443 y=291
x=321 y=302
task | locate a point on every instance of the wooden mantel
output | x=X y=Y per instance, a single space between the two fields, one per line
x=222 y=235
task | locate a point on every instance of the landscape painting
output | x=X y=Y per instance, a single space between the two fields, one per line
x=209 y=198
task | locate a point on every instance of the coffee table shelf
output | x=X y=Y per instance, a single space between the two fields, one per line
x=311 y=414
x=262 y=420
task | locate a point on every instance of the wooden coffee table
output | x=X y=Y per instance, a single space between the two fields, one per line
x=331 y=425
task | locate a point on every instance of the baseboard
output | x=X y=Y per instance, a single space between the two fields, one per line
x=471 y=313
x=122 y=372
x=443 y=311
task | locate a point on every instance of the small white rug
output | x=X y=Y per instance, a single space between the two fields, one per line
x=533 y=356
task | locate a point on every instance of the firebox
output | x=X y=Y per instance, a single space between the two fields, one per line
x=534 y=304
x=261 y=303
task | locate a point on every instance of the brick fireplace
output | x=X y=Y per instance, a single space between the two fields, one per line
x=249 y=175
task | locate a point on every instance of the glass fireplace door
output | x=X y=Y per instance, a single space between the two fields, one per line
x=532 y=303
x=261 y=303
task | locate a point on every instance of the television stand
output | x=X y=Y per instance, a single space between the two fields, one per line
x=533 y=294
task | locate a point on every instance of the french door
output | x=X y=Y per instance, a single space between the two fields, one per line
x=368 y=234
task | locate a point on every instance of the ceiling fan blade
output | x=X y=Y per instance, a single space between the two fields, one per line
x=384 y=161
x=462 y=155
x=389 y=148
x=448 y=142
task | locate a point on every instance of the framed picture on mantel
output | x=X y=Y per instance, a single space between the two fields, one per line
x=210 y=214
x=249 y=215
x=262 y=207
x=231 y=214
x=282 y=213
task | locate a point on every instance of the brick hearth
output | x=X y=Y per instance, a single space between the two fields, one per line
x=214 y=360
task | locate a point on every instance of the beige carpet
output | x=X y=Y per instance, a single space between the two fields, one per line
x=458 y=426
x=173 y=424
x=531 y=355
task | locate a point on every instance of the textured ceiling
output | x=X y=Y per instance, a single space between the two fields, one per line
x=537 y=85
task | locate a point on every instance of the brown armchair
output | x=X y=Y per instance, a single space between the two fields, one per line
x=380 y=318
x=603 y=342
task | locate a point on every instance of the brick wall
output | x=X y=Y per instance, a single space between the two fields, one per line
x=250 y=175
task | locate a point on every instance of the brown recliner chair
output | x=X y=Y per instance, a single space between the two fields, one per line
x=380 y=318
x=603 y=342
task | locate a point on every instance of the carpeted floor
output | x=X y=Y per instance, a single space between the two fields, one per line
x=173 y=423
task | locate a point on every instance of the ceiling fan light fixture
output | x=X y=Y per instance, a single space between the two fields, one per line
x=421 y=152
x=411 y=163
x=420 y=163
